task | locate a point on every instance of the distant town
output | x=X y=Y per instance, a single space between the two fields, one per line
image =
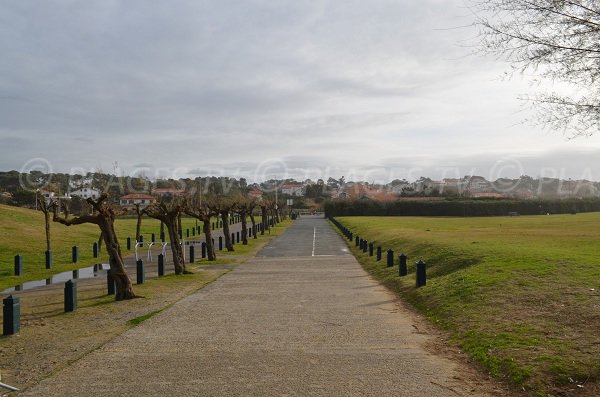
x=129 y=192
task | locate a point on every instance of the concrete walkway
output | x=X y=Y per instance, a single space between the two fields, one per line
x=310 y=324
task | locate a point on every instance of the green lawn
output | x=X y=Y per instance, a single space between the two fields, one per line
x=519 y=294
x=22 y=232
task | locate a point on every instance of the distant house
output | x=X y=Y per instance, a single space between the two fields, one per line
x=292 y=189
x=168 y=192
x=255 y=194
x=129 y=201
x=86 y=192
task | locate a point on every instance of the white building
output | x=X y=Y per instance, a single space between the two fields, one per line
x=129 y=201
x=292 y=190
x=86 y=193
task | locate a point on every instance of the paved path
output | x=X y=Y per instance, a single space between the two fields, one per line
x=278 y=326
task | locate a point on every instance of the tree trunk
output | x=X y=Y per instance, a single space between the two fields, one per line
x=265 y=219
x=243 y=217
x=100 y=239
x=123 y=287
x=138 y=226
x=254 y=230
x=226 y=235
x=210 y=247
x=179 y=227
x=176 y=247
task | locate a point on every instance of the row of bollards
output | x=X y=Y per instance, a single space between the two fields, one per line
x=364 y=246
x=11 y=304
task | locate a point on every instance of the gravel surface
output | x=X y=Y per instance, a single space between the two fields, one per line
x=277 y=326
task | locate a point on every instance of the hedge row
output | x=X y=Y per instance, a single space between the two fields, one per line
x=463 y=207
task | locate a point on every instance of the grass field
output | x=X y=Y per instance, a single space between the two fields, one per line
x=521 y=295
x=22 y=232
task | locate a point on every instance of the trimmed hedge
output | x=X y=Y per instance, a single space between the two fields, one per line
x=459 y=207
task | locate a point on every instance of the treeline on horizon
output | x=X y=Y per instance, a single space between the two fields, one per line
x=460 y=207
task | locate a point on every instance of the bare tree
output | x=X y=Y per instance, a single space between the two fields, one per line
x=46 y=208
x=244 y=207
x=169 y=213
x=559 y=41
x=224 y=207
x=104 y=216
x=203 y=211
x=138 y=226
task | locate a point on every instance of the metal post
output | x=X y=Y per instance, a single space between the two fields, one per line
x=371 y=246
x=220 y=243
x=12 y=315
x=70 y=296
x=153 y=237
x=237 y=237
x=192 y=256
x=141 y=277
x=402 y=270
x=421 y=274
x=18 y=265
x=75 y=254
x=128 y=243
x=95 y=249
x=357 y=239
x=379 y=253
x=203 y=250
x=161 y=265
x=110 y=283
x=232 y=238
x=390 y=258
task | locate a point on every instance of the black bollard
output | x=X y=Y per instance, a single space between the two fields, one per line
x=390 y=258
x=220 y=243
x=421 y=274
x=48 y=255
x=357 y=240
x=161 y=265
x=187 y=233
x=203 y=250
x=110 y=283
x=95 y=249
x=237 y=237
x=75 y=254
x=365 y=246
x=193 y=232
x=379 y=253
x=350 y=236
x=371 y=246
x=12 y=315
x=192 y=258
x=128 y=243
x=402 y=270
x=70 y=296
x=153 y=237
x=141 y=277
x=141 y=240
x=232 y=238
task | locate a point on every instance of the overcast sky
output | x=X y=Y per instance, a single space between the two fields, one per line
x=372 y=90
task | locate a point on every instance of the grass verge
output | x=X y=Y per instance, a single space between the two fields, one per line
x=520 y=295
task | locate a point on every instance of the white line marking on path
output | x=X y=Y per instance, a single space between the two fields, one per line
x=314 y=240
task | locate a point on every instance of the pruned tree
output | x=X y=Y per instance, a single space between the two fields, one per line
x=104 y=216
x=559 y=41
x=203 y=210
x=244 y=207
x=224 y=206
x=46 y=208
x=169 y=213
